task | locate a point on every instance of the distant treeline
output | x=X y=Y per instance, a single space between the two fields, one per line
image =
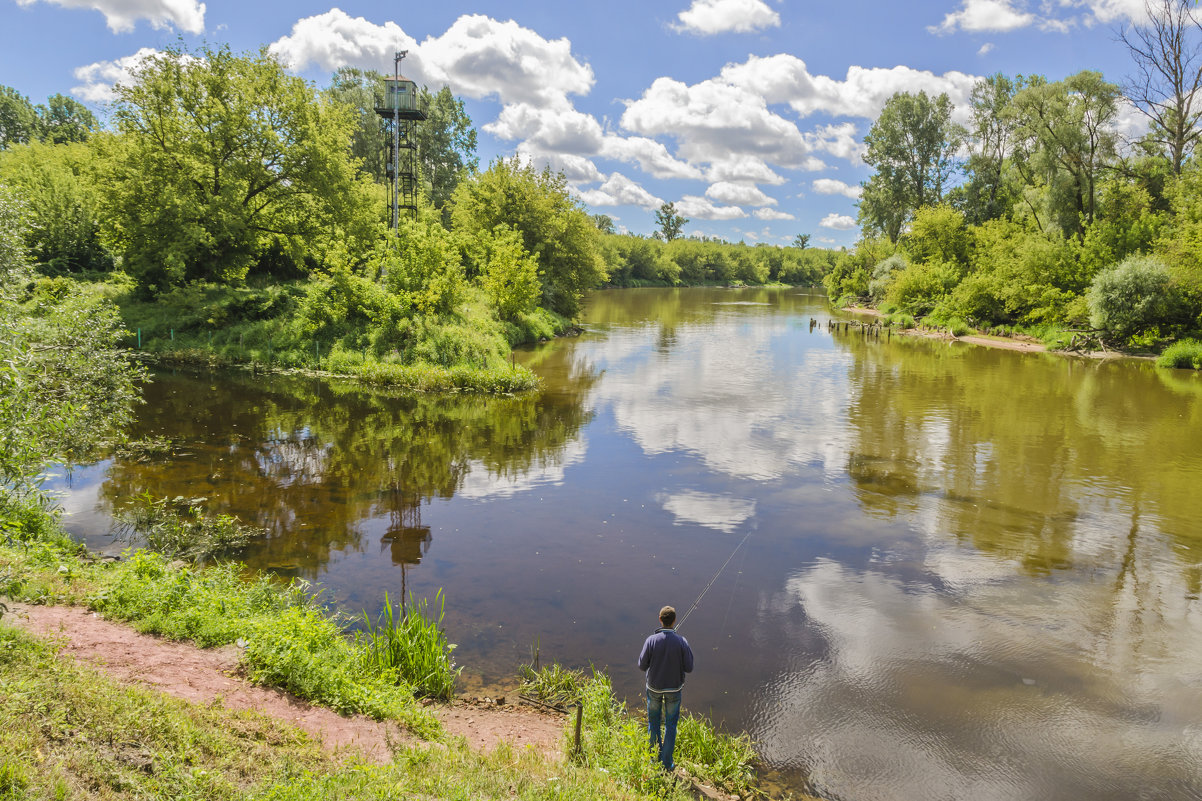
x=643 y=261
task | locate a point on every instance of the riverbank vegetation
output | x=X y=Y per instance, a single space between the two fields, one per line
x=288 y=640
x=1038 y=215
x=68 y=731
x=235 y=214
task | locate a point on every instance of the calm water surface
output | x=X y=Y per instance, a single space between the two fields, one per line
x=970 y=573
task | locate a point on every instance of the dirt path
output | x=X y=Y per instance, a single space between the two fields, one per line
x=209 y=675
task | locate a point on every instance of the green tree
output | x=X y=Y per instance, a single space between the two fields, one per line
x=555 y=228
x=1131 y=297
x=913 y=146
x=801 y=241
x=988 y=193
x=59 y=187
x=18 y=118
x=224 y=159
x=425 y=266
x=671 y=225
x=66 y=384
x=359 y=90
x=446 y=145
x=937 y=234
x=1064 y=140
x=604 y=223
x=507 y=273
x=64 y=119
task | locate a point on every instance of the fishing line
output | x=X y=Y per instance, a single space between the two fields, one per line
x=733 y=589
x=712 y=580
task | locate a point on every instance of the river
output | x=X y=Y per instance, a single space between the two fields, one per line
x=954 y=572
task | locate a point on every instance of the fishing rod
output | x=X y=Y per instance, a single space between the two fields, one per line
x=715 y=578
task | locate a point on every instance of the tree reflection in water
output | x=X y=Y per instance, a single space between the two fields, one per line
x=328 y=466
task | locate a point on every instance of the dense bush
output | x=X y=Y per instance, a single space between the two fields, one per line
x=919 y=287
x=1131 y=297
x=59 y=186
x=882 y=275
x=1186 y=353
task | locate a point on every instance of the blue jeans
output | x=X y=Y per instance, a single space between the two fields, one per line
x=665 y=707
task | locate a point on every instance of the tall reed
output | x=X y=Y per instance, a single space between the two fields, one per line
x=414 y=645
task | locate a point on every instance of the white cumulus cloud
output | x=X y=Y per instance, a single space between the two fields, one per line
x=575 y=168
x=560 y=130
x=842 y=141
x=742 y=167
x=715 y=120
x=773 y=214
x=862 y=92
x=738 y=194
x=1108 y=11
x=699 y=208
x=122 y=15
x=99 y=78
x=975 y=16
x=478 y=56
x=336 y=39
x=839 y=222
x=708 y=17
x=618 y=190
x=832 y=186
x=651 y=156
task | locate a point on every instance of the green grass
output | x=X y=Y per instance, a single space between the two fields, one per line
x=67 y=731
x=1184 y=354
x=617 y=742
x=285 y=326
x=413 y=645
x=554 y=684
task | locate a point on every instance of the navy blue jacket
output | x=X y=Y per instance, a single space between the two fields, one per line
x=666 y=656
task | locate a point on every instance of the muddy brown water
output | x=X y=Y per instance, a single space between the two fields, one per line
x=971 y=573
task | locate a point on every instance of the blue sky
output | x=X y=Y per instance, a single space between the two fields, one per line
x=748 y=114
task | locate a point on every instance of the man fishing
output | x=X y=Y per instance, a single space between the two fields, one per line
x=666 y=657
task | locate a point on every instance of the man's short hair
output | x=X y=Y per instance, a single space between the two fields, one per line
x=667 y=616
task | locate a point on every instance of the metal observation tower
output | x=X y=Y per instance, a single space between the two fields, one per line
x=400 y=113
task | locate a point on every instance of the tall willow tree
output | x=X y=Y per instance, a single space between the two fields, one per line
x=225 y=160
x=1064 y=140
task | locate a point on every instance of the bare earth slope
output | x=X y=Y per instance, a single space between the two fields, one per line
x=212 y=676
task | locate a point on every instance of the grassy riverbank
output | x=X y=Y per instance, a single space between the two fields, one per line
x=343 y=327
x=69 y=732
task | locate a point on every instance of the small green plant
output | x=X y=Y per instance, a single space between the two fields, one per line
x=553 y=684
x=180 y=528
x=900 y=320
x=957 y=327
x=1186 y=353
x=414 y=646
x=13 y=781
